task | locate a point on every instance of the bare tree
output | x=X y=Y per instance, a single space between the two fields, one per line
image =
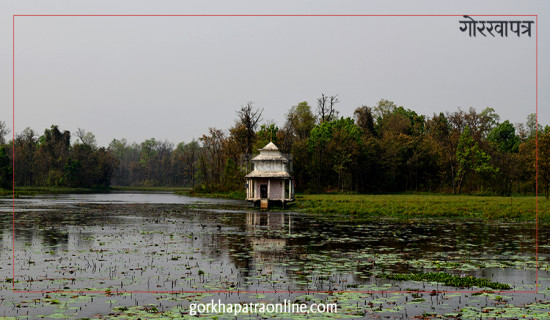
x=325 y=108
x=249 y=118
x=87 y=138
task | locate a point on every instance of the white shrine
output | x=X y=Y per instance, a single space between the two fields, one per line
x=270 y=181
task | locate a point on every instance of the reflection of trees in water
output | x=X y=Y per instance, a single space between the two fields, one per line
x=53 y=229
x=264 y=242
x=24 y=235
x=249 y=243
x=241 y=254
x=55 y=239
x=495 y=239
x=3 y=223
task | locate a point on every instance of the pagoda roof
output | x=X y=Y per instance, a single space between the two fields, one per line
x=270 y=147
x=263 y=157
x=270 y=153
x=268 y=174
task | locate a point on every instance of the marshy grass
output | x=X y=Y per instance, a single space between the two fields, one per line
x=237 y=195
x=436 y=206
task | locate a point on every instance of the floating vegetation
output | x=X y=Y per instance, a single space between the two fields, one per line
x=150 y=260
x=448 y=280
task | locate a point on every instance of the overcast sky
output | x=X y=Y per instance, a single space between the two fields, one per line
x=174 y=77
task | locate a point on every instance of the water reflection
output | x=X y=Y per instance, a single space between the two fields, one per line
x=166 y=241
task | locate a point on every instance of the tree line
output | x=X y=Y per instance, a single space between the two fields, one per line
x=50 y=160
x=380 y=148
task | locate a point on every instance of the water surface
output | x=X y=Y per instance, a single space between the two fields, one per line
x=209 y=249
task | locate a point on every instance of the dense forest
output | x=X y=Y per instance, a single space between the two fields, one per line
x=383 y=148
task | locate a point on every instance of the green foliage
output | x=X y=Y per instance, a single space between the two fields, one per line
x=389 y=148
x=504 y=137
x=365 y=119
x=51 y=161
x=470 y=158
x=489 y=118
x=448 y=280
x=301 y=120
x=266 y=134
x=341 y=129
x=233 y=177
x=532 y=125
x=544 y=162
x=5 y=169
x=147 y=152
x=72 y=168
x=341 y=139
x=416 y=121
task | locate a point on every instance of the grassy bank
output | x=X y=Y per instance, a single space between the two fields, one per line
x=521 y=208
x=238 y=195
x=409 y=206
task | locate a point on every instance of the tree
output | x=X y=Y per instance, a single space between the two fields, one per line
x=344 y=146
x=5 y=169
x=249 y=118
x=383 y=108
x=54 y=150
x=300 y=120
x=504 y=138
x=266 y=134
x=365 y=119
x=504 y=155
x=532 y=125
x=326 y=108
x=4 y=130
x=213 y=159
x=72 y=173
x=190 y=157
x=86 y=138
x=470 y=158
x=489 y=120
x=25 y=152
x=105 y=163
x=480 y=124
x=128 y=172
x=341 y=139
x=148 y=151
x=544 y=162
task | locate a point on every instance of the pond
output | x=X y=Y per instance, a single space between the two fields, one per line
x=150 y=255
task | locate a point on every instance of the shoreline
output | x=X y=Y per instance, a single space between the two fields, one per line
x=359 y=206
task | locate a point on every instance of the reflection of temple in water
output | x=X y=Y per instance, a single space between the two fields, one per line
x=272 y=221
x=267 y=250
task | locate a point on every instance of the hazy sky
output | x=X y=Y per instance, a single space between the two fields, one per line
x=174 y=77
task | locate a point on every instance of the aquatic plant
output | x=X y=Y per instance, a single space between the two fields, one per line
x=448 y=280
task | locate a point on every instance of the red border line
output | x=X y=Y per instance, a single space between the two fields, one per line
x=272 y=15
x=13 y=153
x=537 y=154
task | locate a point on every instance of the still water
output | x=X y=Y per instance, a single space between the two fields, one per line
x=150 y=255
